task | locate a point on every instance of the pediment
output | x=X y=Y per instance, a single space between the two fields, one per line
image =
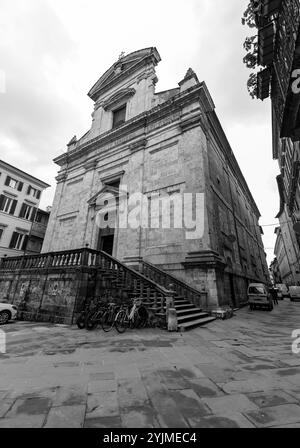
x=117 y=98
x=122 y=68
x=106 y=193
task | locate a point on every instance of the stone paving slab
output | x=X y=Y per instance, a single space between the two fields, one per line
x=234 y=373
x=236 y=403
x=274 y=416
x=228 y=420
x=272 y=398
x=66 y=417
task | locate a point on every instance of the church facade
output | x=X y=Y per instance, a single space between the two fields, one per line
x=155 y=179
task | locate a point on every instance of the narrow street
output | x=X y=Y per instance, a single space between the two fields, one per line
x=235 y=373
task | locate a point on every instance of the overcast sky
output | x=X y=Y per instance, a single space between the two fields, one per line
x=53 y=51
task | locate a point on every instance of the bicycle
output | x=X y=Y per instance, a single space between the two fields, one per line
x=94 y=317
x=131 y=316
x=108 y=317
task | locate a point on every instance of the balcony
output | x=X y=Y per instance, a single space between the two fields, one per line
x=263 y=84
x=38 y=229
x=266 y=44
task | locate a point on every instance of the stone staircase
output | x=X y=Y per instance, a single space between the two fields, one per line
x=153 y=285
x=189 y=316
x=187 y=300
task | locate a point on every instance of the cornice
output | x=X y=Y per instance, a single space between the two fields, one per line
x=61 y=177
x=145 y=119
x=112 y=177
x=139 y=144
x=91 y=165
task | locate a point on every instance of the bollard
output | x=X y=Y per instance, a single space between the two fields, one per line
x=172 y=319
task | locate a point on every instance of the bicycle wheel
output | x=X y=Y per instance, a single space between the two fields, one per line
x=80 y=322
x=134 y=320
x=142 y=317
x=120 y=322
x=90 y=323
x=108 y=320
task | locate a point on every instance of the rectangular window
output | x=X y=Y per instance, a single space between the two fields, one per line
x=119 y=116
x=18 y=241
x=14 y=183
x=7 y=205
x=34 y=192
x=27 y=212
x=1 y=233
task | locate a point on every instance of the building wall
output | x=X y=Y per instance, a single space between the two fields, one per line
x=286 y=250
x=10 y=223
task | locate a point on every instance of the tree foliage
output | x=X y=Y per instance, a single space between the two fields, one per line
x=251 y=47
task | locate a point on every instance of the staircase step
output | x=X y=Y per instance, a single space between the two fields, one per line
x=192 y=316
x=189 y=311
x=185 y=306
x=182 y=302
x=195 y=323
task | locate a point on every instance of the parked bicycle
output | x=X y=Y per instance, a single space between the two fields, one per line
x=134 y=316
x=81 y=319
x=95 y=316
x=108 y=318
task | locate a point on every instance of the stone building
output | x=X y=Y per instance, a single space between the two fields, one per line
x=278 y=23
x=287 y=250
x=274 y=271
x=161 y=146
x=20 y=195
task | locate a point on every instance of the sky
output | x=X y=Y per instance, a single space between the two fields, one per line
x=53 y=51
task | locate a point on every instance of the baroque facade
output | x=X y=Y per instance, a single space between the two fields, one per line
x=159 y=145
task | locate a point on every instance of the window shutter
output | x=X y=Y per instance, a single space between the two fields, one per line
x=7 y=181
x=13 y=207
x=20 y=186
x=24 y=245
x=33 y=213
x=13 y=240
x=22 y=211
x=38 y=194
x=2 y=199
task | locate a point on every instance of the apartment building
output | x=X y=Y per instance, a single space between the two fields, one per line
x=20 y=195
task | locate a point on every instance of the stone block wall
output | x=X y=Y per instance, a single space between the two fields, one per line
x=48 y=295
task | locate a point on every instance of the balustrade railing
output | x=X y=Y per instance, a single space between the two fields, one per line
x=180 y=288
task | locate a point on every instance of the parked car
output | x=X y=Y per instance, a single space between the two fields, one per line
x=7 y=312
x=283 y=290
x=259 y=296
x=294 y=293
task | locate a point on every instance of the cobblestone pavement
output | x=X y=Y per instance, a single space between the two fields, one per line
x=235 y=373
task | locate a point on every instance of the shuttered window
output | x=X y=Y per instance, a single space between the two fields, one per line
x=27 y=212
x=7 y=205
x=18 y=241
x=34 y=192
x=14 y=183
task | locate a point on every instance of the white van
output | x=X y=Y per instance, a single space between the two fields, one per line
x=294 y=293
x=259 y=296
